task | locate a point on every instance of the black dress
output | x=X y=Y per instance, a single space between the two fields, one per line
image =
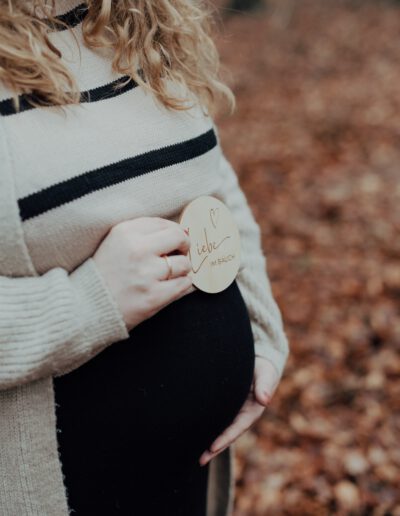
x=134 y=420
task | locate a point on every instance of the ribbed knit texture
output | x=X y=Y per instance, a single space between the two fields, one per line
x=54 y=322
x=64 y=182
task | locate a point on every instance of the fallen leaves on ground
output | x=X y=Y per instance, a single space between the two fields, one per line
x=315 y=141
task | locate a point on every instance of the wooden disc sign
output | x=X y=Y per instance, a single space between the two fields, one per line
x=215 y=243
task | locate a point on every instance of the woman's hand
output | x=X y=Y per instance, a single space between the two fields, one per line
x=261 y=392
x=130 y=260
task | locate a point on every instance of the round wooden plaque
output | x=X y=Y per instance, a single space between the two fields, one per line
x=215 y=243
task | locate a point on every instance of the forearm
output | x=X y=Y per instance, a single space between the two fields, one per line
x=53 y=323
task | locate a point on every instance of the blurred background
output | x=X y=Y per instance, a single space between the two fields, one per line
x=315 y=141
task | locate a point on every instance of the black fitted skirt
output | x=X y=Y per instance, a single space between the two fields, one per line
x=133 y=421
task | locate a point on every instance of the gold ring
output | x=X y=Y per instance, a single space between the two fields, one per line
x=169 y=266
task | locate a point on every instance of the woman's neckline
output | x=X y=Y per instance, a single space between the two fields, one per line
x=70 y=12
x=61 y=7
x=64 y=6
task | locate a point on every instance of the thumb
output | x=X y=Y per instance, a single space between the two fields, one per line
x=264 y=381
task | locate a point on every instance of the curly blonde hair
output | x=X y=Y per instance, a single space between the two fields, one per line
x=169 y=39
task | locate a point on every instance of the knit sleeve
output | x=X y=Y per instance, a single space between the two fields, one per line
x=53 y=323
x=270 y=340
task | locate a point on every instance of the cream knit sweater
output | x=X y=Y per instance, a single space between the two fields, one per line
x=64 y=182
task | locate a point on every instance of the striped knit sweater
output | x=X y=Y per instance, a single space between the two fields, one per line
x=116 y=156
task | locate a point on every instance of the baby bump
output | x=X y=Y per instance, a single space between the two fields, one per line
x=173 y=386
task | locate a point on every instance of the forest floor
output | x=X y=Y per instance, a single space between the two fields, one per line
x=315 y=141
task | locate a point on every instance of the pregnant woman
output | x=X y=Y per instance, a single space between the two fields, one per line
x=122 y=386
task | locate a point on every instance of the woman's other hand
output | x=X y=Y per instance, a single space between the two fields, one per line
x=130 y=260
x=261 y=392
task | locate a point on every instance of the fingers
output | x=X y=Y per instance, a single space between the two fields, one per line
x=207 y=456
x=265 y=380
x=169 y=239
x=250 y=412
x=241 y=423
x=172 y=289
x=180 y=265
x=189 y=290
x=264 y=383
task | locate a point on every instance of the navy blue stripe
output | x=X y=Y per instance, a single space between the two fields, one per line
x=112 y=89
x=72 y=189
x=71 y=18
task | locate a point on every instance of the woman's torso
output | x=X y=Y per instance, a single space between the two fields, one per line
x=185 y=371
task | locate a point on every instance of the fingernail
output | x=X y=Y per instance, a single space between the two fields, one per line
x=203 y=458
x=267 y=396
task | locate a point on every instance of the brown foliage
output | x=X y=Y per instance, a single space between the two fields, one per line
x=315 y=143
